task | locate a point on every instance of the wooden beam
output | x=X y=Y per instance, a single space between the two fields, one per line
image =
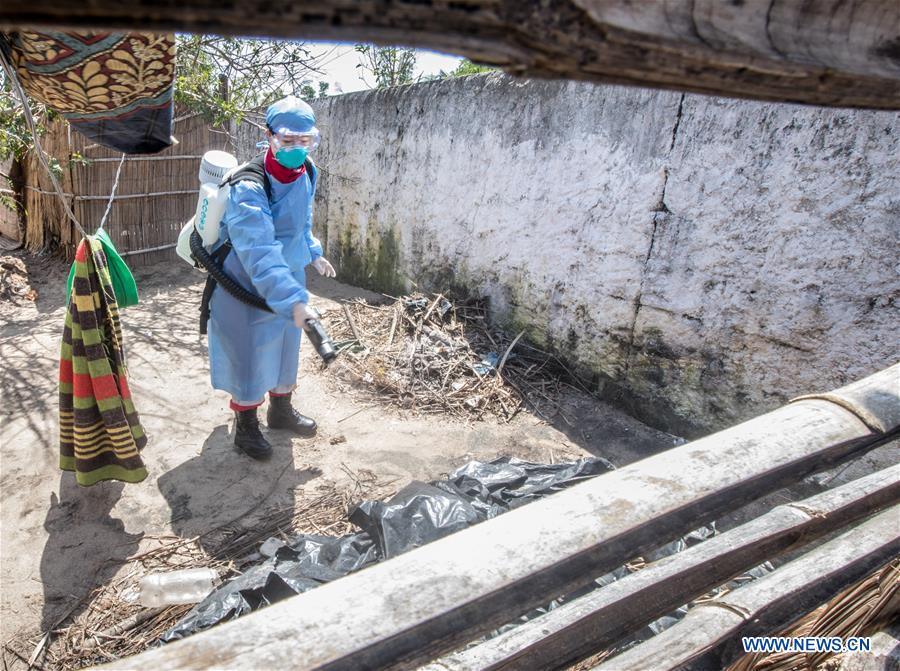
x=870 y=400
x=823 y=52
x=709 y=635
x=598 y=620
x=827 y=33
x=410 y=609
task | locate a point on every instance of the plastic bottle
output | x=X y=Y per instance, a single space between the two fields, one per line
x=175 y=587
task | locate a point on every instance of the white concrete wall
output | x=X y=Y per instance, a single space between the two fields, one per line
x=704 y=259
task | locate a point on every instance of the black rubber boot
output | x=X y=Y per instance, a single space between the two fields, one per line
x=281 y=415
x=247 y=436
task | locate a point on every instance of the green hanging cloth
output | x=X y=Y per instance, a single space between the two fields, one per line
x=123 y=282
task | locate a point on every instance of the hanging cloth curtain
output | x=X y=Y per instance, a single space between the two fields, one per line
x=114 y=88
x=100 y=435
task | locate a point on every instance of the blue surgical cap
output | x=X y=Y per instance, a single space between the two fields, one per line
x=290 y=114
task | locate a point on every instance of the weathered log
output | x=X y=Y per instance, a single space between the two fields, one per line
x=874 y=402
x=598 y=620
x=431 y=600
x=823 y=52
x=709 y=636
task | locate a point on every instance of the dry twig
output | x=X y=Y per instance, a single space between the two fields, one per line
x=431 y=356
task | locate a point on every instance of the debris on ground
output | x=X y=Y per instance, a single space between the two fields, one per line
x=114 y=626
x=430 y=355
x=419 y=514
x=14 y=286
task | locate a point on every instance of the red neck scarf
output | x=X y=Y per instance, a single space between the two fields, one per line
x=279 y=172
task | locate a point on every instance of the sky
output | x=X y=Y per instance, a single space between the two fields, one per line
x=339 y=62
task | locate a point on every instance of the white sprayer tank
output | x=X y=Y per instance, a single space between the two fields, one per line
x=211 y=203
x=214 y=167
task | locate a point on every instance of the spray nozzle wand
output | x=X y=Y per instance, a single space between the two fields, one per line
x=319 y=337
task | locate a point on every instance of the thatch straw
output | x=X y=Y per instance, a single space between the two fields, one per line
x=46 y=222
x=860 y=610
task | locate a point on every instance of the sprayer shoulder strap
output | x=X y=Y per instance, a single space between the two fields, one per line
x=253 y=170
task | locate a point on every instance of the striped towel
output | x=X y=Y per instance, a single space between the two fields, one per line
x=100 y=434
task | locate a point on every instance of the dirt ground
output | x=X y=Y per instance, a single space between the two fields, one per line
x=60 y=541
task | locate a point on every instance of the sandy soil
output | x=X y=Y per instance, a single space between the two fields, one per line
x=60 y=541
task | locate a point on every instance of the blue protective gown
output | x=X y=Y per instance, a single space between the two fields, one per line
x=252 y=352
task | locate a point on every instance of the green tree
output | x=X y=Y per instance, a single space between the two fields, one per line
x=15 y=138
x=226 y=77
x=464 y=69
x=467 y=67
x=308 y=91
x=388 y=66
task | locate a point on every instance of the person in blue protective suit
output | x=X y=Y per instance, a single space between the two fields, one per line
x=251 y=352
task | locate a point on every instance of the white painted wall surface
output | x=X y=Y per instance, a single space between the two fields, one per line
x=704 y=259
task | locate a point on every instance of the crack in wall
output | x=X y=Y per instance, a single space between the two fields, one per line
x=629 y=355
x=661 y=210
x=677 y=123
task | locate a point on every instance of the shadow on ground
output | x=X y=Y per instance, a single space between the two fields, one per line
x=221 y=490
x=85 y=546
x=605 y=431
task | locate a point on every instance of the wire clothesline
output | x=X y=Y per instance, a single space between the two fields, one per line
x=29 y=119
x=125 y=196
x=112 y=194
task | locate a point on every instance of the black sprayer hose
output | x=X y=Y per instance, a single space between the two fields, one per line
x=205 y=259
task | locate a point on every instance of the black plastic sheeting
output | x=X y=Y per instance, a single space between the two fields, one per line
x=421 y=513
x=307 y=562
x=418 y=514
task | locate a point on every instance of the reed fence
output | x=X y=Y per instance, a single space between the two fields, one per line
x=156 y=194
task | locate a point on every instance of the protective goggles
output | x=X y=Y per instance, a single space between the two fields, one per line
x=288 y=139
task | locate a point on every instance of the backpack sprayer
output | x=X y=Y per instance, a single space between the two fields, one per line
x=218 y=171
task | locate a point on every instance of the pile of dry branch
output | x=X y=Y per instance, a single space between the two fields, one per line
x=430 y=355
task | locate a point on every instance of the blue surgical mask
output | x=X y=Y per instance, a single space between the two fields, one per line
x=291 y=157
